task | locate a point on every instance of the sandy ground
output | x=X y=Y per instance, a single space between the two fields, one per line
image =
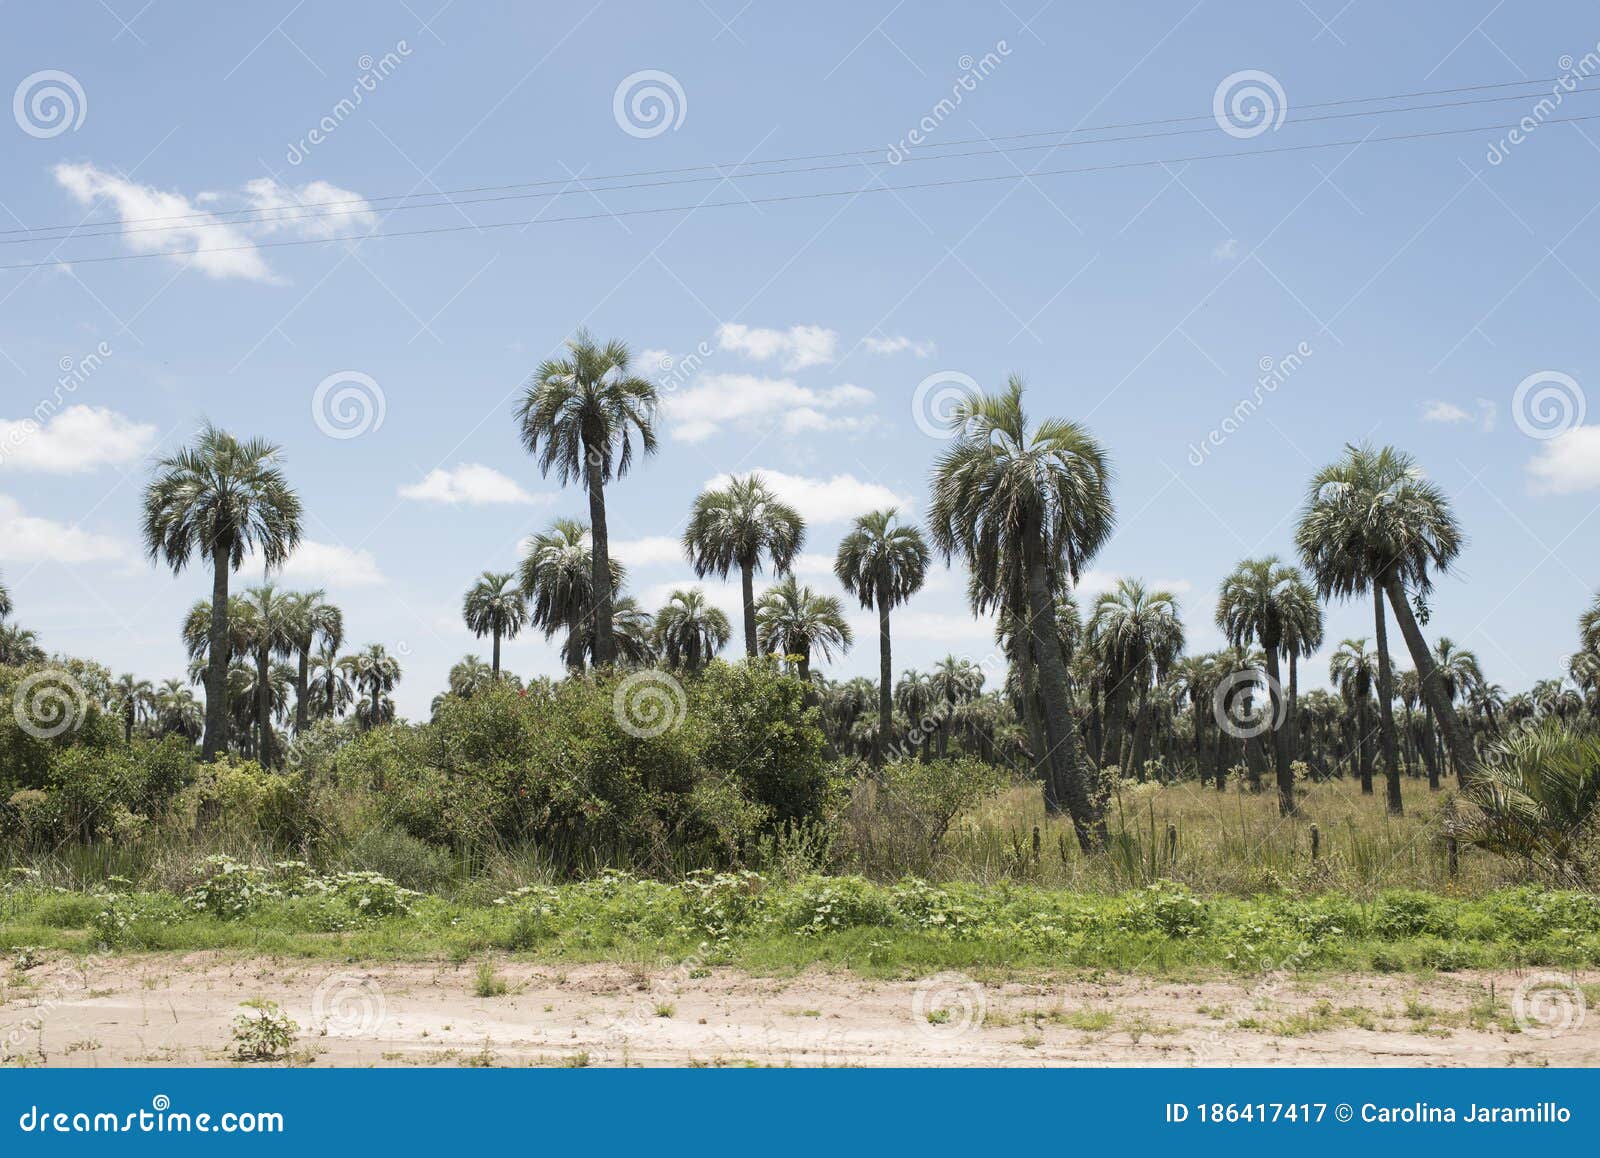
x=177 y=1009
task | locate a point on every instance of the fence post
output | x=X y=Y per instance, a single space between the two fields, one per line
x=1316 y=843
x=1036 y=844
x=1172 y=842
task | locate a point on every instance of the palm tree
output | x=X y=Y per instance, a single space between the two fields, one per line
x=1139 y=634
x=5 y=600
x=883 y=563
x=632 y=628
x=1027 y=508
x=471 y=676
x=557 y=579
x=19 y=646
x=494 y=607
x=134 y=698
x=1257 y=605
x=735 y=527
x=792 y=620
x=267 y=627
x=1459 y=674
x=177 y=712
x=689 y=631
x=220 y=499
x=313 y=622
x=1352 y=669
x=329 y=689
x=375 y=673
x=1372 y=521
x=952 y=683
x=579 y=415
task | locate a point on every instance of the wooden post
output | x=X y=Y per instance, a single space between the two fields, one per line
x=1453 y=851
x=1036 y=844
x=1172 y=843
x=1316 y=843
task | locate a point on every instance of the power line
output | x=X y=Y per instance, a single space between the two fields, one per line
x=720 y=171
x=782 y=198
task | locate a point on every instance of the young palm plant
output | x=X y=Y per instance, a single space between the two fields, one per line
x=220 y=499
x=494 y=606
x=689 y=631
x=579 y=416
x=883 y=563
x=736 y=526
x=1026 y=508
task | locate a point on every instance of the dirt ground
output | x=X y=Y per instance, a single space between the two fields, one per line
x=177 y=1009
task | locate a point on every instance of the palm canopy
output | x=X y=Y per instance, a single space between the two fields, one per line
x=1267 y=602
x=736 y=526
x=1137 y=630
x=881 y=560
x=557 y=578
x=588 y=409
x=634 y=634
x=312 y=620
x=5 y=600
x=1002 y=486
x=794 y=620
x=1373 y=516
x=689 y=631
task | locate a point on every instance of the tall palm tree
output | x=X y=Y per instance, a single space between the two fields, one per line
x=220 y=499
x=1460 y=675
x=1257 y=604
x=135 y=698
x=953 y=683
x=792 y=620
x=1139 y=633
x=1371 y=521
x=329 y=690
x=313 y=622
x=375 y=673
x=689 y=631
x=579 y=415
x=1353 y=670
x=557 y=579
x=1027 y=507
x=735 y=527
x=267 y=626
x=494 y=606
x=883 y=563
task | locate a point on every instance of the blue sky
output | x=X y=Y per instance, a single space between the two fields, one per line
x=1410 y=285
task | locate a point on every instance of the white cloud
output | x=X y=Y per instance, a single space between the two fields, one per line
x=28 y=539
x=652 y=549
x=1228 y=250
x=898 y=344
x=1568 y=463
x=317 y=563
x=1450 y=414
x=218 y=248
x=79 y=438
x=798 y=346
x=830 y=500
x=751 y=401
x=471 y=483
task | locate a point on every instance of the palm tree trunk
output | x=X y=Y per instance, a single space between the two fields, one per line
x=885 y=680
x=1292 y=722
x=1138 y=752
x=605 y=644
x=1280 y=738
x=1364 y=744
x=302 y=684
x=1430 y=751
x=263 y=704
x=1391 y=745
x=217 y=658
x=1068 y=779
x=747 y=591
x=1461 y=753
x=496 y=663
